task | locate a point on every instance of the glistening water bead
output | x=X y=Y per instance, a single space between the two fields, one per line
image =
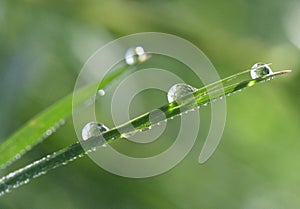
x=101 y=92
x=259 y=70
x=136 y=55
x=93 y=129
x=179 y=90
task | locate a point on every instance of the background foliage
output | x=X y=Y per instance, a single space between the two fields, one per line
x=43 y=45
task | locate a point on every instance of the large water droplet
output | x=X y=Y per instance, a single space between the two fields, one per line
x=136 y=55
x=260 y=69
x=179 y=90
x=93 y=129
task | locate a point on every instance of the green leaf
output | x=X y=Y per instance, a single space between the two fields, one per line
x=187 y=103
x=45 y=123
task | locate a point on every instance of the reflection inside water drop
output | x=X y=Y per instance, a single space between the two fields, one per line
x=93 y=129
x=259 y=70
x=179 y=90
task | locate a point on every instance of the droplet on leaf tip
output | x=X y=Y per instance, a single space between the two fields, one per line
x=259 y=70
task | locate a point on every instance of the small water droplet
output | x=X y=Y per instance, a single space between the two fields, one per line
x=259 y=70
x=101 y=92
x=136 y=55
x=93 y=129
x=18 y=156
x=48 y=132
x=179 y=90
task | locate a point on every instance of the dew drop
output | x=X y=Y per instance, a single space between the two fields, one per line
x=48 y=132
x=93 y=129
x=101 y=92
x=135 y=55
x=259 y=70
x=179 y=90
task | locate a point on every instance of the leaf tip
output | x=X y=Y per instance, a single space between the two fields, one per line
x=286 y=71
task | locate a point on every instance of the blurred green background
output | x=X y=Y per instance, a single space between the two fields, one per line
x=44 y=44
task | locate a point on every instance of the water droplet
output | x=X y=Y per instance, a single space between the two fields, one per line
x=179 y=90
x=260 y=69
x=48 y=132
x=136 y=55
x=101 y=92
x=93 y=129
x=81 y=155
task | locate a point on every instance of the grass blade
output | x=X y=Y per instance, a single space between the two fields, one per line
x=62 y=157
x=45 y=123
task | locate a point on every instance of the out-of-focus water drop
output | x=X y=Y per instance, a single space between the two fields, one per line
x=135 y=55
